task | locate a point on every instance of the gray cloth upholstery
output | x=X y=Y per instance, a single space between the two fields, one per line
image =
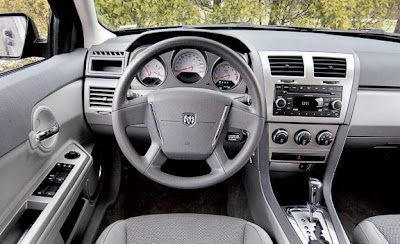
x=383 y=229
x=182 y=229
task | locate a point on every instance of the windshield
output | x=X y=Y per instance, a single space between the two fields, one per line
x=119 y=15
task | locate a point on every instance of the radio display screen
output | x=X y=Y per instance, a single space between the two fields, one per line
x=305 y=103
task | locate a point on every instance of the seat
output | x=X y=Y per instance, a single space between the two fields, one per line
x=183 y=229
x=378 y=230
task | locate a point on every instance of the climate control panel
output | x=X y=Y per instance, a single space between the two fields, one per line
x=302 y=137
x=299 y=145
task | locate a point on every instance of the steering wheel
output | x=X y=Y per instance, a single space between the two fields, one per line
x=188 y=123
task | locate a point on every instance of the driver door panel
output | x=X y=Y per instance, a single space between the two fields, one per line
x=55 y=84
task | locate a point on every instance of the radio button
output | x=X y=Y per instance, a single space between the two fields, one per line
x=336 y=104
x=320 y=102
x=280 y=103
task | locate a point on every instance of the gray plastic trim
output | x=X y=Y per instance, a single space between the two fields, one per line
x=54 y=210
x=21 y=90
x=376 y=114
x=264 y=207
x=333 y=161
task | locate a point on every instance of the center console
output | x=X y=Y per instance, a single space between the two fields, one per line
x=309 y=99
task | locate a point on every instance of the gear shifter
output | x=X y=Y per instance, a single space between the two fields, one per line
x=315 y=194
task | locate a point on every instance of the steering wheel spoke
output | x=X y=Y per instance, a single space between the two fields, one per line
x=218 y=158
x=242 y=117
x=154 y=156
x=134 y=112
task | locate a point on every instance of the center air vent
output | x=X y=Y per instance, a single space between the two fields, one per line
x=329 y=67
x=286 y=65
x=101 y=98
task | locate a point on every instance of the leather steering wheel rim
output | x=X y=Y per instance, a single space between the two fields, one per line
x=149 y=110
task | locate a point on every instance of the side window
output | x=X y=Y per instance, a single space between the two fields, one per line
x=39 y=11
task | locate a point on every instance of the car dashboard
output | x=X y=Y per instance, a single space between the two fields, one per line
x=311 y=82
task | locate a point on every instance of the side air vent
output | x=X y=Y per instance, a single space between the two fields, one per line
x=329 y=67
x=108 y=53
x=286 y=65
x=101 y=98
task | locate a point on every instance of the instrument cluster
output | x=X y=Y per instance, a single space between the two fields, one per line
x=189 y=66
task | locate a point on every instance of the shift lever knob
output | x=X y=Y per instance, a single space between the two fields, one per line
x=315 y=194
x=315 y=191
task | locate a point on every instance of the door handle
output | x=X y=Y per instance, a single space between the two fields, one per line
x=44 y=134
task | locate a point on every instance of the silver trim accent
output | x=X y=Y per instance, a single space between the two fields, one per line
x=315 y=195
x=308 y=79
x=220 y=125
x=44 y=134
x=333 y=104
x=279 y=99
x=277 y=132
x=320 y=134
x=302 y=132
x=155 y=119
x=302 y=232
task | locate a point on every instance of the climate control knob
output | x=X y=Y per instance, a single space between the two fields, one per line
x=324 y=138
x=302 y=137
x=280 y=136
x=336 y=104
x=280 y=103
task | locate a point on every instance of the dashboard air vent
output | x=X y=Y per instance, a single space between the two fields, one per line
x=329 y=67
x=286 y=65
x=108 y=53
x=101 y=97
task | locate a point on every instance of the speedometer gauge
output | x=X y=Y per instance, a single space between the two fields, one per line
x=189 y=65
x=152 y=74
x=225 y=77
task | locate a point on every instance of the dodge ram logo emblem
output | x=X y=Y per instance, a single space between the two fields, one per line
x=189 y=119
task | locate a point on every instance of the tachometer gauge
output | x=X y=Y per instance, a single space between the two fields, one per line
x=225 y=77
x=152 y=74
x=189 y=65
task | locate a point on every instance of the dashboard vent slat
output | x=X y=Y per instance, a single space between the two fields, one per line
x=330 y=67
x=101 y=97
x=286 y=65
x=108 y=53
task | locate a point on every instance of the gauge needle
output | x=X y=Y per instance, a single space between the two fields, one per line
x=222 y=77
x=148 y=73
x=190 y=67
x=158 y=74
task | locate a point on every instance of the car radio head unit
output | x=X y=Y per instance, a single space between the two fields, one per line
x=307 y=100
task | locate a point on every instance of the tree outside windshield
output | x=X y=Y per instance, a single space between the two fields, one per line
x=334 y=14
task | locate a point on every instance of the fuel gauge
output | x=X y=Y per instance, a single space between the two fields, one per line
x=152 y=74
